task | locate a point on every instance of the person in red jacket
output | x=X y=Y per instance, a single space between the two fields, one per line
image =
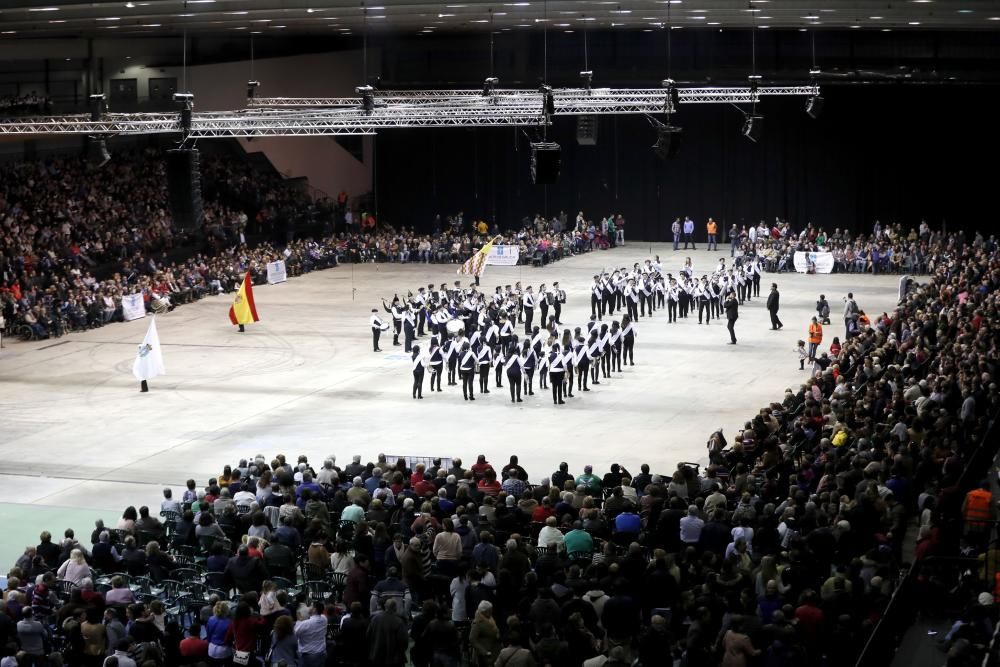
x=193 y=646
x=242 y=632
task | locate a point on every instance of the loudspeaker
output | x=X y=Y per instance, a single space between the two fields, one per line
x=668 y=141
x=546 y=159
x=753 y=127
x=184 y=187
x=814 y=106
x=97 y=152
x=586 y=130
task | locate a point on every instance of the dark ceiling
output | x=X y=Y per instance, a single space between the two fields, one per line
x=88 y=18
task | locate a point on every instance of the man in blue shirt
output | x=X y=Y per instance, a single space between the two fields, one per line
x=689 y=233
x=628 y=522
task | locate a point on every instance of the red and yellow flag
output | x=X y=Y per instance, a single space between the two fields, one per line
x=477 y=263
x=243 y=310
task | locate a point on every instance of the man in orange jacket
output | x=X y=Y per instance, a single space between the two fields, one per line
x=815 y=338
x=713 y=230
x=978 y=511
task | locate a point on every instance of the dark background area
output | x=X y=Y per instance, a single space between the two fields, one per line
x=897 y=153
x=907 y=132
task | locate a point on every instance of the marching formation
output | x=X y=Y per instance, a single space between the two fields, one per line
x=475 y=340
x=475 y=334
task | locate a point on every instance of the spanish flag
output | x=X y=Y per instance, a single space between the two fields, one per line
x=476 y=264
x=243 y=310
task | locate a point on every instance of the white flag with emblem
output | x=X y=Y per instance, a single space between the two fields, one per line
x=149 y=360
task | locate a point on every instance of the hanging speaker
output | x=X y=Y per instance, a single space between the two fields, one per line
x=546 y=159
x=753 y=127
x=668 y=141
x=184 y=188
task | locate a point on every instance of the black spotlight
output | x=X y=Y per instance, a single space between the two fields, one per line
x=546 y=159
x=252 y=88
x=814 y=106
x=668 y=141
x=367 y=94
x=753 y=127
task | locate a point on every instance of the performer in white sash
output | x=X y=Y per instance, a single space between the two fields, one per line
x=419 y=364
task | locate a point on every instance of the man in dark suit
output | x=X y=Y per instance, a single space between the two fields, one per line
x=772 y=307
x=732 y=307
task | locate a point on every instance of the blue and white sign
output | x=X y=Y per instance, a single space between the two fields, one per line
x=503 y=255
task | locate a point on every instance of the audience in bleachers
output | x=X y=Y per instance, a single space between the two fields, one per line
x=784 y=550
x=30 y=104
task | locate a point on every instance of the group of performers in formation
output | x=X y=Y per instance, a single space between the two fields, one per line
x=474 y=332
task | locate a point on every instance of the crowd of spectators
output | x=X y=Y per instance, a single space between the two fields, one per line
x=74 y=241
x=30 y=104
x=888 y=249
x=784 y=550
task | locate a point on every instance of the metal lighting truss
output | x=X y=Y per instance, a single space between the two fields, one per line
x=276 y=117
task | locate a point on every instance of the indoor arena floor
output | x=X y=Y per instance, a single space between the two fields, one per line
x=80 y=442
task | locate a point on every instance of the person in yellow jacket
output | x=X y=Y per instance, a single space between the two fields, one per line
x=815 y=338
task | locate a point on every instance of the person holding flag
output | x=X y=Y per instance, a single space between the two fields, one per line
x=149 y=360
x=243 y=311
x=476 y=264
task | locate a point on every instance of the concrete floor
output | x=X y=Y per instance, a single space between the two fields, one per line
x=76 y=433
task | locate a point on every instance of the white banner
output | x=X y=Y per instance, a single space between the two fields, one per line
x=503 y=255
x=133 y=307
x=823 y=261
x=276 y=272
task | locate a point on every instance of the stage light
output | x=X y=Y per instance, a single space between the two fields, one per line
x=673 y=96
x=489 y=85
x=668 y=141
x=251 y=88
x=367 y=94
x=753 y=127
x=587 y=76
x=97 y=147
x=814 y=106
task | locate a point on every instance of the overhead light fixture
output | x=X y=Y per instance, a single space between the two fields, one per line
x=587 y=76
x=251 y=87
x=43 y=9
x=753 y=127
x=186 y=100
x=130 y=5
x=489 y=85
x=548 y=100
x=110 y=18
x=367 y=94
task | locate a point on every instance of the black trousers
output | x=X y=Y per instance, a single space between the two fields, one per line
x=544 y=307
x=582 y=373
x=704 y=306
x=608 y=304
x=716 y=307
x=484 y=378
x=376 y=332
x=671 y=311
x=633 y=309
x=689 y=238
x=756 y=284
x=684 y=302
x=741 y=291
x=468 y=390
x=556 y=378
x=514 y=381
x=452 y=367
x=499 y=375
x=529 y=378
x=436 y=376
x=397 y=326
x=557 y=307
x=595 y=368
x=606 y=363
x=408 y=337
x=616 y=357
x=569 y=380
x=529 y=315
x=775 y=322
x=660 y=299
x=628 y=347
x=730 y=324
x=645 y=303
x=596 y=306
x=421 y=320
x=418 y=382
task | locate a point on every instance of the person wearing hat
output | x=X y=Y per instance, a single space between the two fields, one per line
x=378 y=326
x=396 y=310
x=732 y=308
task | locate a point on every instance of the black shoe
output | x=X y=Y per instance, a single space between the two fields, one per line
x=531 y=393
x=569 y=395
x=732 y=342
x=378 y=349
x=585 y=389
x=485 y=391
x=465 y=397
x=397 y=343
x=631 y=363
x=472 y=398
x=562 y=402
x=420 y=397
x=596 y=382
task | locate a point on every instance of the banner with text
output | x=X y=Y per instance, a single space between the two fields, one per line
x=276 y=272
x=133 y=307
x=823 y=261
x=503 y=255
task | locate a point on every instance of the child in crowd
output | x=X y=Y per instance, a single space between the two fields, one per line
x=803 y=354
